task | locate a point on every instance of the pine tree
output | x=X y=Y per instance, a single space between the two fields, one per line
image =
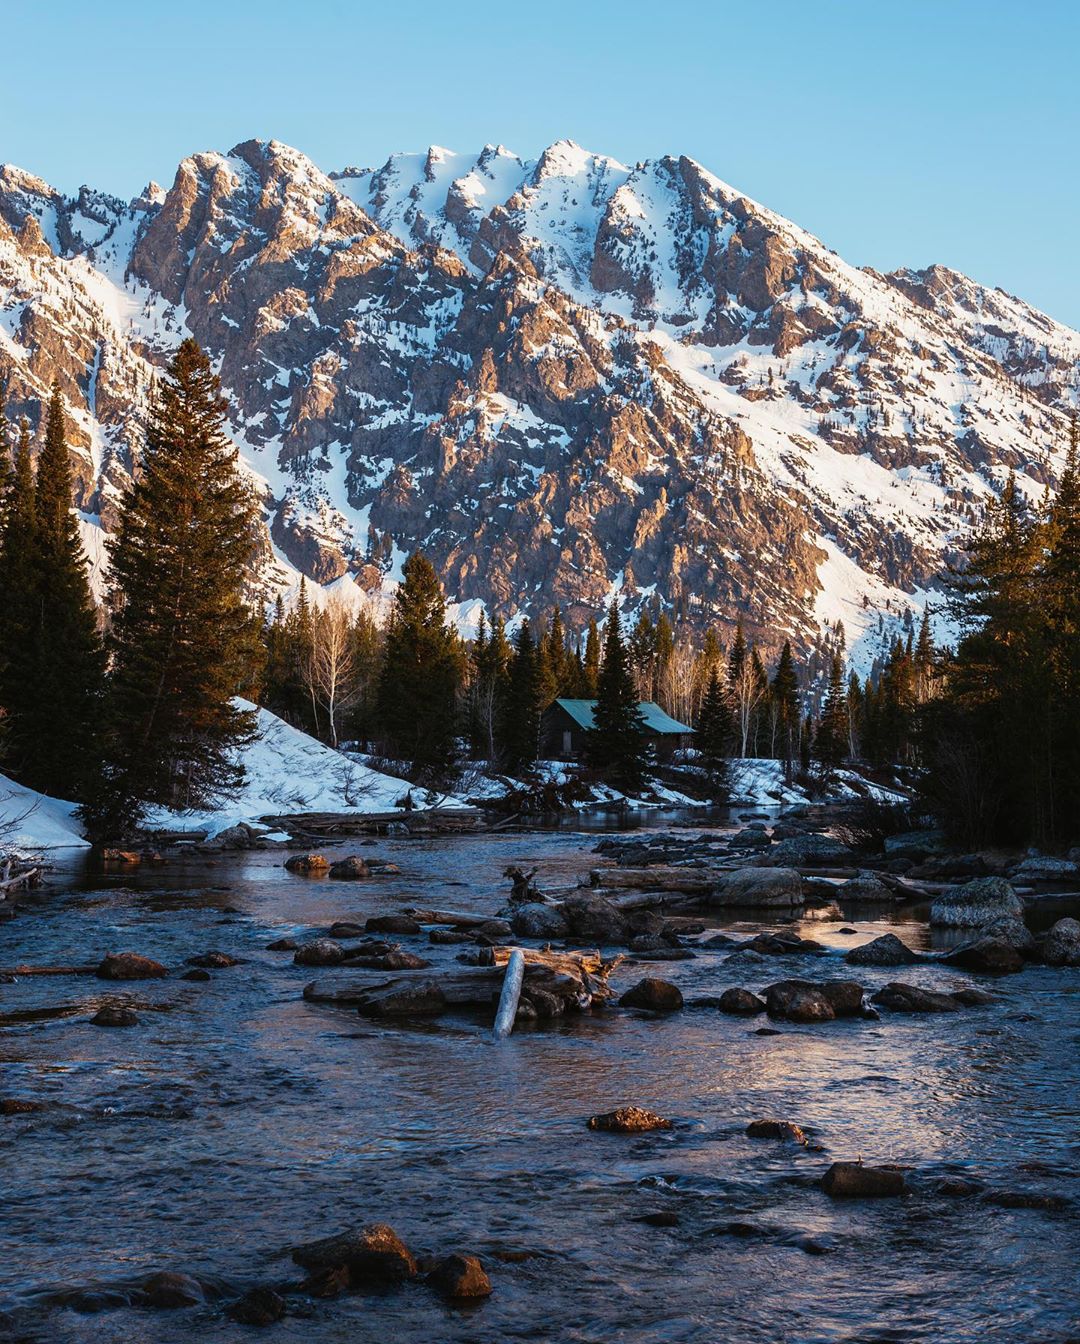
x=615 y=745
x=591 y=662
x=785 y=695
x=183 y=638
x=830 y=741
x=520 y=735
x=62 y=709
x=19 y=606
x=421 y=673
x=714 y=731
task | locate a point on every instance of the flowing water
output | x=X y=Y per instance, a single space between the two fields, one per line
x=237 y=1120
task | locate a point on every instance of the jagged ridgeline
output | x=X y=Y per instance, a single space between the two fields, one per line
x=563 y=380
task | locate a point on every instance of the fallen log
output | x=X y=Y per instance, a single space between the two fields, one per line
x=566 y=963
x=455 y=918
x=663 y=877
x=19 y=880
x=511 y=993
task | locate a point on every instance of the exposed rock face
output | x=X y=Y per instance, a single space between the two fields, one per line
x=550 y=376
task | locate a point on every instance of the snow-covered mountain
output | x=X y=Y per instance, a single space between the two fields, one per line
x=566 y=380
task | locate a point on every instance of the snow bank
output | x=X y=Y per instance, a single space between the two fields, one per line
x=286 y=771
x=32 y=821
x=761 y=781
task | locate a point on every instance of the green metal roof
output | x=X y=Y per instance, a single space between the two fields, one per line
x=656 y=721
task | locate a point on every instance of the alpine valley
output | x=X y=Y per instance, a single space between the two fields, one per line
x=565 y=380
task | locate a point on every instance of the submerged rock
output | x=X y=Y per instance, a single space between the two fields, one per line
x=258 y=1306
x=992 y=954
x=167 y=1290
x=392 y=924
x=851 y=1180
x=213 y=960
x=459 y=1278
x=320 y=952
x=130 y=966
x=350 y=869
x=661 y=996
x=783 y=1130
x=974 y=904
x=887 y=950
x=628 y=1120
x=20 y=1106
x=115 y=1015
x=904 y=998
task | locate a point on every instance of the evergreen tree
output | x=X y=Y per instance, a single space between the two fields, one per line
x=521 y=704
x=591 y=662
x=714 y=731
x=61 y=715
x=421 y=673
x=615 y=744
x=19 y=606
x=785 y=696
x=830 y=741
x=183 y=638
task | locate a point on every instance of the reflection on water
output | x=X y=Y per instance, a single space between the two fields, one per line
x=236 y=1120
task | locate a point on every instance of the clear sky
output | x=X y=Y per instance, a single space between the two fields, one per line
x=902 y=132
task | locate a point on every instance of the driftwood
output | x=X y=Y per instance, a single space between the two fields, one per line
x=50 y=970
x=663 y=877
x=511 y=993
x=455 y=918
x=19 y=880
x=472 y=985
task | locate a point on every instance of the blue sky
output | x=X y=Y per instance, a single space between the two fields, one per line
x=900 y=133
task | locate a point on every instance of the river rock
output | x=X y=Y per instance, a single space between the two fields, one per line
x=536 y=920
x=258 y=1306
x=594 y=919
x=865 y=886
x=1041 y=868
x=115 y=1015
x=214 y=961
x=628 y=1120
x=307 y=863
x=373 y=1256
x=320 y=952
x=758 y=887
x=783 y=945
x=423 y=998
x=1061 y=945
x=996 y=956
x=783 y=1130
x=381 y=867
x=798 y=1001
x=887 y=950
x=282 y=945
x=905 y=998
x=449 y=937
x=130 y=966
x=975 y=903
x=397 y=959
x=740 y=1003
x=851 y=1180
x=913 y=845
x=350 y=869
x=809 y=851
x=19 y=1106
x=660 y=996
x=460 y=1278
x=167 y=1290
x=196 y=975
x=391 y=924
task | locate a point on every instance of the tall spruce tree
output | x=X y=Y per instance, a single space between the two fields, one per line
x=715 y=730
x=615 y=745
x=19 y=606
x=62 y=713
x=183 y=638
x=591 y=661
x=785 y=695
x=421 y=674
x=830 y=741
x=521 y=707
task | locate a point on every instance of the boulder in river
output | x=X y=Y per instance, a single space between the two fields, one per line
x=536 y=920
x=115 y=1015
x=1060 y=946
x=783 y=1130
x=258 y=1306
x=307 y=863
x=864 y=886
x=758 y=887
x=130 y=966
x=851 y=1180
x=459 y=1278
x=974 y=904
x=349 y=869
x=391 y=924
x=594 y=919
x=809 y=851
x=904 y=998
x=167 y=1290
x=1042 y=868
x=628 y=1120
x=319 y=952
x=660 y=996
x=740 y=1003
x=995 y=955
x=214 y=961
x=372 y=1257
x=798 y=1001
x=888 y=950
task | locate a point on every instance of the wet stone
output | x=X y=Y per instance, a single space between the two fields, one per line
x=113 y=1015
x=307 y=863
x=197 y=974
x=659 y=996
x=258 y=1306
x=130 y=966
x=851 y=1180
x=628 y=1120
x=460 y=1278
x=740 y=1003
x=783 y=1130
x=167 y=1290
x=392 y=924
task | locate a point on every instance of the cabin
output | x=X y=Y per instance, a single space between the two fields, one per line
x=564 y=724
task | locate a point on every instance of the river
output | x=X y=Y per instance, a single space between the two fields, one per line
x=237 y=1120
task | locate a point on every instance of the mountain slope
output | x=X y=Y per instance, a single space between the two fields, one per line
x=565 y=380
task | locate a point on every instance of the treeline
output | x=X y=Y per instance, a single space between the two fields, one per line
x=1002 y=741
